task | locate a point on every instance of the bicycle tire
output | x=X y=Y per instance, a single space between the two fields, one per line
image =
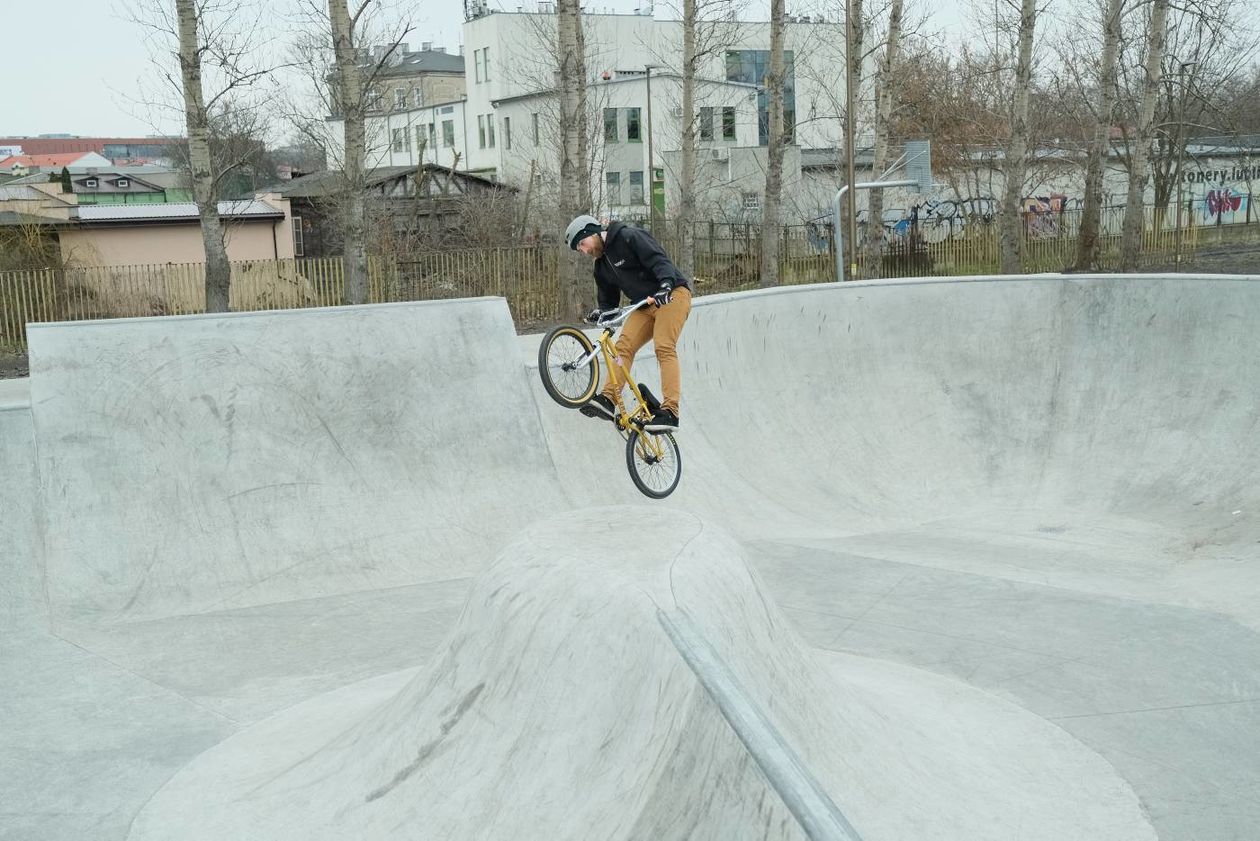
x=574 y=392
x=669 y=469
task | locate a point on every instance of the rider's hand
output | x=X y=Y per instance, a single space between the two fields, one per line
x=661 y=298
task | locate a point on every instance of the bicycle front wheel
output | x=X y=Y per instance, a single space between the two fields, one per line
x=654 y=462
x=569 y=382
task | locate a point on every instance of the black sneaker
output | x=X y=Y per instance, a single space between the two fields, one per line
x=663 y=421
x=600 y=407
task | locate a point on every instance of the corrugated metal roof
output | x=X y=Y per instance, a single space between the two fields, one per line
x=243 y=209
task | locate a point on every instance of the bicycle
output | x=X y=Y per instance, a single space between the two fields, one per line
x=569 y=367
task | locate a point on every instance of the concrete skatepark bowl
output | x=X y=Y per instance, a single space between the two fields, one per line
x=951 y=559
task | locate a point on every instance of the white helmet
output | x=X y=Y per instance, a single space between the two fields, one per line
x=580 y=228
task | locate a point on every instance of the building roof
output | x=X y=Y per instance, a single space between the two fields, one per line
x=173 y=212
x=67 y=143
x=21 y=192
x=13 y=219
x=113 y=175
x=327 y=183
x=58 y=159
x=424 y=61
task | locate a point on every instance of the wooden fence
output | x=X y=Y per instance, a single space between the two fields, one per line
x=529 y=277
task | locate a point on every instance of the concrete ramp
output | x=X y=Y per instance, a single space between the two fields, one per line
x=21 y=580
x=217 y=462
x=561 y=708
x=1015 y=520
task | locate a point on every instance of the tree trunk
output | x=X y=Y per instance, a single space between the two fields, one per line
x=218 y=270
x=350 y=95
x=685 y=218
x=573 y=168
x=885 y=104
x=1017 y=153
x=774 y=153
x=1131 y=238
x=583 y=121
x=1091 y=213
x=855 y=32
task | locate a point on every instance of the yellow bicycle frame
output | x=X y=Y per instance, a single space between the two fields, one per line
x=641 y=413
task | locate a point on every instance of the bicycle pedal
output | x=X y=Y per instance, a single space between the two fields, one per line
x=592 y=412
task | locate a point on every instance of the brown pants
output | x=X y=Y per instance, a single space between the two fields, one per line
x=661 y=326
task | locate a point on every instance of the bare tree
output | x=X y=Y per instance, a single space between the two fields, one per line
x=1100 y=145
x=855 y=25
x=351 y=94
x=886 y=101
x=1131 y=236
x=1011 y=236
x=574 y=174
x=213 y=44
x=685 y=218
x=218 y=270
x=341 y=56
x=774 y=83
x=571 y=67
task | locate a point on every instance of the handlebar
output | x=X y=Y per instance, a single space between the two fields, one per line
x=614 y=318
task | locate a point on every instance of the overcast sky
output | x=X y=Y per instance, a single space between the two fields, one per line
x=84 y=72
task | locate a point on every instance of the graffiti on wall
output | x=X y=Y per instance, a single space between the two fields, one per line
x=1223 y=206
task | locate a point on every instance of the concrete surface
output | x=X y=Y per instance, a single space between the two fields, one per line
x=635 y=748
x=1017 y=506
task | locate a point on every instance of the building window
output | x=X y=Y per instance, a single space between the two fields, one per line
x=481 y=65
x=123 y=183
x=490 y=128
x=632 y=125
x=752 y=201
x=610 y=125
x=636 y=188
x=706 y=123
x=750 y=67
x=507 y=132
x=535 y=129
x=400 y=139
x=91 y=182
x=400 y=99
x=374 y=101
x=481 y=131
x=299 y=247
x=432 y=136
x=417 y=95
x=448 y=132
x=613 y=179
x=728 y=123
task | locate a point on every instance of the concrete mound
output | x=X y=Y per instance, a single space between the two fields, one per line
x=564 y=707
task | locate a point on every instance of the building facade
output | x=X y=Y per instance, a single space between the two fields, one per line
x=505 y=125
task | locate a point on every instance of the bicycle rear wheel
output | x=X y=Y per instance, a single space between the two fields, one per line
x=570 y=384
x=654 y=462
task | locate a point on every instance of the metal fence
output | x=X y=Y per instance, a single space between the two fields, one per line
x=727 y=258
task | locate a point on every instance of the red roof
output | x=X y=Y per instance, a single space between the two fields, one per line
x=63 y=159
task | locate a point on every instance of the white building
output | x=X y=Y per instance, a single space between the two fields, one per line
x=634 y=132
x=506 y=126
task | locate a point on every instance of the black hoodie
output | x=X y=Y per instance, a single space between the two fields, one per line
x=634 y=263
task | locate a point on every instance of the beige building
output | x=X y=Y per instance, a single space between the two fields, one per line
x=128 y=235
x=413 y=80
